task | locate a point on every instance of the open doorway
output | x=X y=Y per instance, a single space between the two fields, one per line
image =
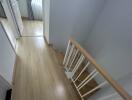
x=7 y=25
x=31 y=13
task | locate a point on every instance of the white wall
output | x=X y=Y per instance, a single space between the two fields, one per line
x=9 y=31
x=110 y=41
x=111 y=38
x=7 y=57
x=23 y=8
x=4 y=86
x=103 y=28
x=72 y=18
x=46 y=16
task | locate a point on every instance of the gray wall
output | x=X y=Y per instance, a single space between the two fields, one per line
x=7 y=57
x=4 y=86
x=104 y=28
x=111 y=38
x=110 y=41
x=72 y=18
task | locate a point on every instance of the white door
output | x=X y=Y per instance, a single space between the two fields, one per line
x=17 y=15
x=13 y=15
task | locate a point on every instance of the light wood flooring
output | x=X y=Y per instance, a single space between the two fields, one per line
x=38 y=76
x=32 y=28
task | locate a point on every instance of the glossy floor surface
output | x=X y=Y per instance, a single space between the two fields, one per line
x=37 y=74
x=32 y=28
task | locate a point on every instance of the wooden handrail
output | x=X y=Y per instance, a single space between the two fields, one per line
x=103 y=72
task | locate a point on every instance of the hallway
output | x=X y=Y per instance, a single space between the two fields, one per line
x=37 y=75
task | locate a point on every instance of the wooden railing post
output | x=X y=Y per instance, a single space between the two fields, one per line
x=98 y=69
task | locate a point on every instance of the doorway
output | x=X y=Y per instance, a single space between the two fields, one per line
x=7 y=25
x=31 y=13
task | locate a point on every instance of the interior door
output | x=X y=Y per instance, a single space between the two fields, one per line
x=13 y=15
x=17 y=14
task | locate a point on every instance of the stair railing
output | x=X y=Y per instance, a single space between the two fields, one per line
x=71 y=56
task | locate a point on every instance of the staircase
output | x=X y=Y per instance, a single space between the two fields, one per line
x=77 y=63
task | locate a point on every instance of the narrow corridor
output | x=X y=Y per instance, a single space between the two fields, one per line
x=37 y=75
